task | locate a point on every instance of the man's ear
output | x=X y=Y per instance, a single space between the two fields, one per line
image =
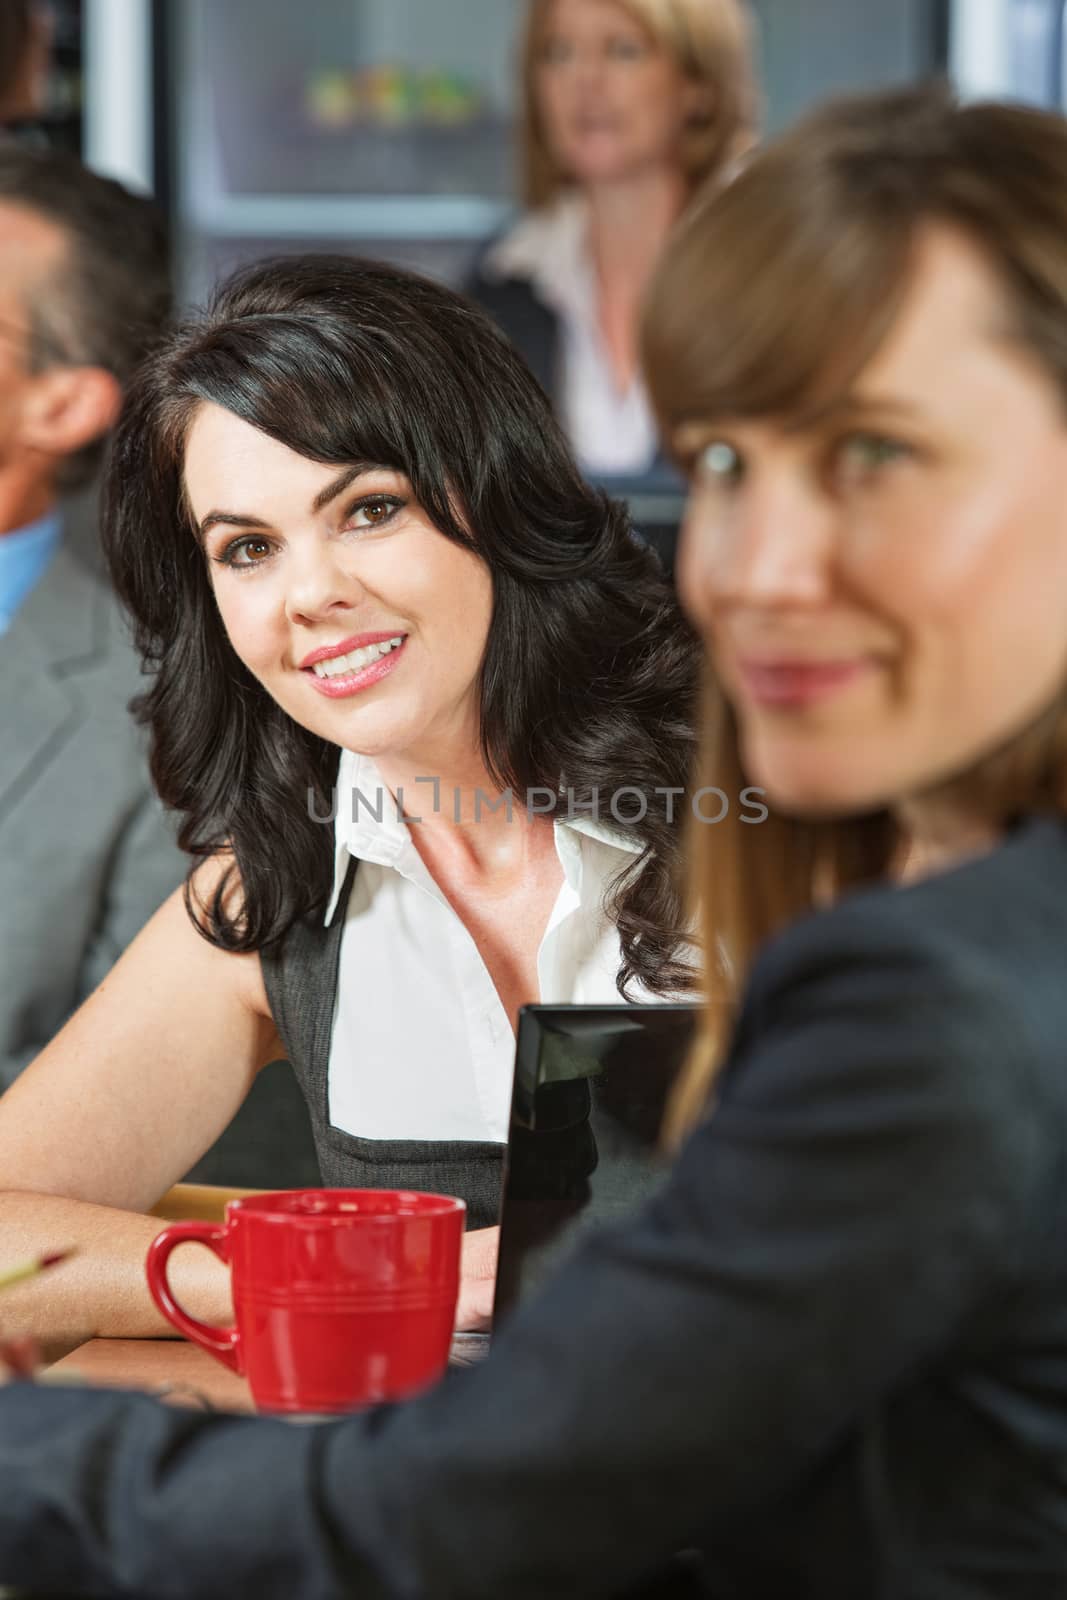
x=67 y=408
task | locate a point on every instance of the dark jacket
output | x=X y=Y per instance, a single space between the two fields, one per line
x=532 y=326
x=831 y=1353
x=534 y=329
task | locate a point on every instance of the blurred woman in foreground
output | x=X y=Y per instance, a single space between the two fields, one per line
x=831 y=1355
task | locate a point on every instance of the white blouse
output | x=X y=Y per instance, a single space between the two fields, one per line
x=422 y=1047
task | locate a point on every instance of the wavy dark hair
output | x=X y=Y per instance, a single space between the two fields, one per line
x=589 y=681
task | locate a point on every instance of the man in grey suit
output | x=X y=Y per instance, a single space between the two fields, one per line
x=86 y=854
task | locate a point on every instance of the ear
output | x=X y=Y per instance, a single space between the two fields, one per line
x=67 y=408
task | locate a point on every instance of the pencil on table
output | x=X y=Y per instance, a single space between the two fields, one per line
x=30 y=1269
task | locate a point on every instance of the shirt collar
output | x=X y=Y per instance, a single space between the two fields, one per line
x=548 y=247
x=25 y=556
x=367 y=827
x=603 y=832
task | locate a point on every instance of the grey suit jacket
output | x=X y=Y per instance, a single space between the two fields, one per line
x=86 y=852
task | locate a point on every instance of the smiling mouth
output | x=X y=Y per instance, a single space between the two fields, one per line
x=356 y=660
x=799 y=683
x=350 y=674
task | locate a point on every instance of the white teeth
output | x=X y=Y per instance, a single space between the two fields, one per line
x=356 y=660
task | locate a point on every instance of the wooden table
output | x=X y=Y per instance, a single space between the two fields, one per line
x=185 y=1371
x=175 y=1368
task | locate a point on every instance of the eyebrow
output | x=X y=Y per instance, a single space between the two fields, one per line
x=336 y=486
x=856 y=405
x=689 y=435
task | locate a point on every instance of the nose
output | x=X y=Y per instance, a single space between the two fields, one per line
x=319 y=585
x=770 y=543
x=589 y=67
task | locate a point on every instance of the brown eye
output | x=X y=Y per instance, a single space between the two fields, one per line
x=373 y=511
x=249 y=551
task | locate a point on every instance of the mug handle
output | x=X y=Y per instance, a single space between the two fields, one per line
x=223 y=1343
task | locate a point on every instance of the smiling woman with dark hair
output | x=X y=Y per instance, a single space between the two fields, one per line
x=375 y=593
x=409 y=393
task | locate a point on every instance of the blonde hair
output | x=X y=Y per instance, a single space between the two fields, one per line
x=773 y=297
x=709 y=41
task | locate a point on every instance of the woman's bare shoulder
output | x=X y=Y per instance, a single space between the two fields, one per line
x=214 y=885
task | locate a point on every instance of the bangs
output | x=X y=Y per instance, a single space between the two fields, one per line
x=772 y=298
x=340 y=397
x=310 y=385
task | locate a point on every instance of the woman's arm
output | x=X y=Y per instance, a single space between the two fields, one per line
x=129 y=1094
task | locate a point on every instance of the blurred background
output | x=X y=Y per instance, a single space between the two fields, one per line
x=388 y=127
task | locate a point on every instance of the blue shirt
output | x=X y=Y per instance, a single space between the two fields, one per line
x=24 y=559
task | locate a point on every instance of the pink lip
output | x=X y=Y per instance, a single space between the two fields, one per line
x=798 y=683
x=355 y=682
x=327 y=652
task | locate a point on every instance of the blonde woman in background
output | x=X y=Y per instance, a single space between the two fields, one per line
x=628 y=106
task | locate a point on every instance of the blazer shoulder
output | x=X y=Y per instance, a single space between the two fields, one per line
x=912 y=987
x=991 y=924
x=503 y=287
x=869 y=933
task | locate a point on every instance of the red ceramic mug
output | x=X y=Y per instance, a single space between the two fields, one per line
x=342 y=1297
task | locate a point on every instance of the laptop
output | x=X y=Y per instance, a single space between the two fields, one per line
x=590 y=1090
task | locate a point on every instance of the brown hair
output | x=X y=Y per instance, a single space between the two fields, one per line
x=710 y=42
x=773 y=297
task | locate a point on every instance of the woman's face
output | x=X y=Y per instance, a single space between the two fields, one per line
x=613 y=104
x=883 y=588
x=357 y=616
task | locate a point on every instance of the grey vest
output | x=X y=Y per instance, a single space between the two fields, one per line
x=300 y=974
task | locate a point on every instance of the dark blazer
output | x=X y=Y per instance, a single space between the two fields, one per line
x=534 y=329
x=656 y=495
x=531 y=325
x=831 y=1354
